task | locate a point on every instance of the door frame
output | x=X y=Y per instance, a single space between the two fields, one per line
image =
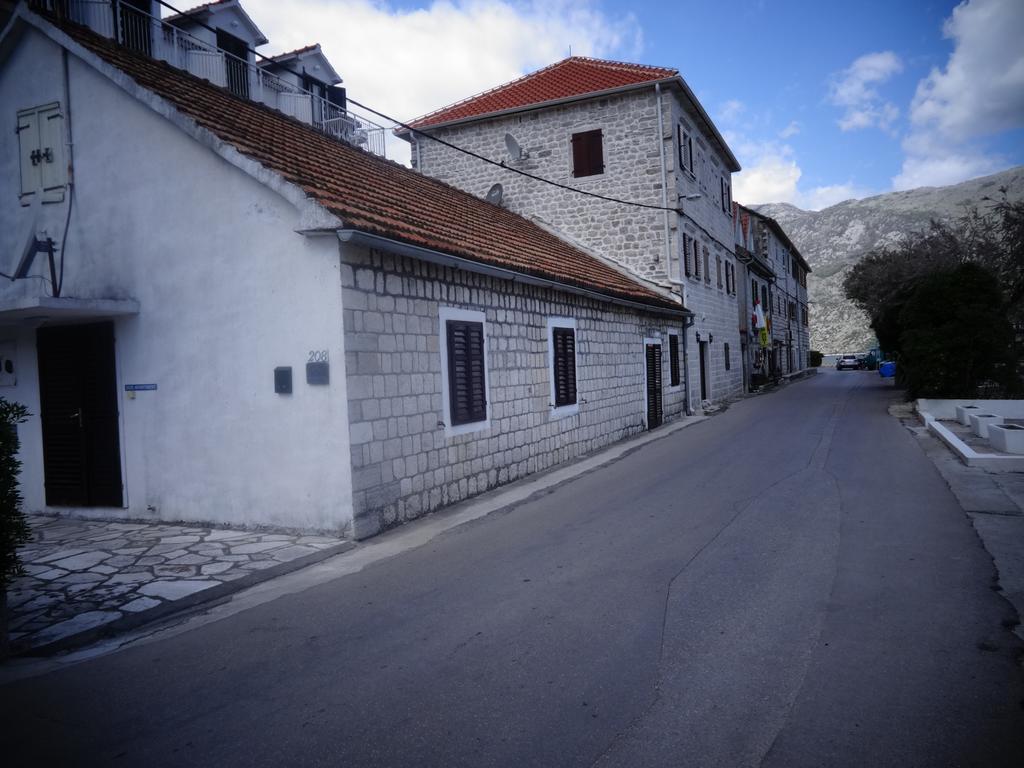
x=704 y=359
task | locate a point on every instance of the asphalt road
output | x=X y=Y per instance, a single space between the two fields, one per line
x=789 y=583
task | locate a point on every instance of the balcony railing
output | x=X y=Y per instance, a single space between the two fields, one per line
x=154 y=37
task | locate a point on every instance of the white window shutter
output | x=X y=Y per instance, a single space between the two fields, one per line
x=28 y=142
x=52 y=167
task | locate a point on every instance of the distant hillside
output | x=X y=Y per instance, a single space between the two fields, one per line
x=835 y=238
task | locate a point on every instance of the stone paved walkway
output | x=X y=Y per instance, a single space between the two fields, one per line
x=82 y=574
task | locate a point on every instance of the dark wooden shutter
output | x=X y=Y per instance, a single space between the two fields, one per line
x=587 y=153
x=686 y=254
x=564 y=366
x=673 y=359
x=467 y=379
x=728 y=361
x=654 y=410
x=696 y=259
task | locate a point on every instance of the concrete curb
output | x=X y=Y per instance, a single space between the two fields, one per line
x=171 y=607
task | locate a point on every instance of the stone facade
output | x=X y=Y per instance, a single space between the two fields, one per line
x=632 y=237
x=404 y=463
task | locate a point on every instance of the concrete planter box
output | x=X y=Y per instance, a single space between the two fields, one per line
x=1008 y=438
x=980 y=423
x=963 y=413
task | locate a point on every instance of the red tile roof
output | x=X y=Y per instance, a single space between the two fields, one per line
x=574 y=76
x=369 y=193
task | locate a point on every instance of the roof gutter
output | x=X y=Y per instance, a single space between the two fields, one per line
x=358 y=237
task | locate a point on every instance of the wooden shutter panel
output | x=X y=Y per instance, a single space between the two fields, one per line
x=564 y=366
x=587 y=153
x=28 y=141
x=52 y=168
x=467 y=379
x=686 y=254
x=673 y=360
x=654 y=406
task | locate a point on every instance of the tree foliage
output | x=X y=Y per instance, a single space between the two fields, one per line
x=956 y=334
x=14 y=529
x=887 y=284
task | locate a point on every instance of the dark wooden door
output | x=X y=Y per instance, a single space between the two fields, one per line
x=654 y=406
x=78 y=409
x=703 y=370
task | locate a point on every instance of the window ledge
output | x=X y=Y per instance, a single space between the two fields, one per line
x=563 y=411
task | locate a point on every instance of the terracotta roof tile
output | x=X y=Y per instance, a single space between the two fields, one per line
x=574 y=76
x=369 y=193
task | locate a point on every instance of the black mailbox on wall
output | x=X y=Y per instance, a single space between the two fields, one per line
x=318 y=373
x=283 y=380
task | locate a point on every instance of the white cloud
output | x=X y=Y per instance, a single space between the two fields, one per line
x=790 y=130
x=979 y=92
x=409 y=62
x=855 y=89
x=731 y=111
x=771 y=174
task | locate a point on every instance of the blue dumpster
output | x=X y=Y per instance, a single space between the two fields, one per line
x=887 y=370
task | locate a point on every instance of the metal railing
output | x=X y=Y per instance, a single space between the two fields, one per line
x=139 y=31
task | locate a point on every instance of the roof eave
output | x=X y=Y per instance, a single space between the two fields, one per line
x=371 y=239
x=403 y=133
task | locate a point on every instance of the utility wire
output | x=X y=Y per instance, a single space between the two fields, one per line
x=500 y=164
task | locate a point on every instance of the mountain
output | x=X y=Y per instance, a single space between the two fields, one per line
x=835 y=238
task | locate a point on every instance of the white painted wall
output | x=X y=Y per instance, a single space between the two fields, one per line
x=228 y=290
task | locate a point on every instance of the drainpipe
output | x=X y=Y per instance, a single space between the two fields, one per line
x=664 y=189
x=688 y=322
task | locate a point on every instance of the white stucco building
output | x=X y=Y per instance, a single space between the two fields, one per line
x=630 y=132
x=251 y=321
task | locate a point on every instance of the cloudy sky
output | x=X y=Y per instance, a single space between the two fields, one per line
x=818 y=105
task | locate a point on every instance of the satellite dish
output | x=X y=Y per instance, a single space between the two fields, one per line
x=514 y=150
x=494 y=194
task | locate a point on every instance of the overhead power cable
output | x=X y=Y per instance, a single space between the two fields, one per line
x=498 y=163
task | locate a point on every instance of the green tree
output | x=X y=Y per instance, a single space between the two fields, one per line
x=955 y=334
x=14 y=530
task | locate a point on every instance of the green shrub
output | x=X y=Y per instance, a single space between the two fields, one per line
x=815 y=358
x=14 y=529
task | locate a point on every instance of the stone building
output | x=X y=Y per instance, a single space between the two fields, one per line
x=222 y=312
x=630 y=132
x=774 y=278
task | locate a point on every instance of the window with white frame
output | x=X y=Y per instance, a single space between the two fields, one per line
x=562 y=365
x=463 y=343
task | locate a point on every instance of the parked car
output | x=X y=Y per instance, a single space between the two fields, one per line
x=848 y=363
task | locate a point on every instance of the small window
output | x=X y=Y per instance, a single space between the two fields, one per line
x=563 y=344
x=728 y=361
x=726 y=194
x=707 y=265
x=467 y=386
x=685 y=150
x=587 y=154
x=673 y=359
x=765 y=306
x=753 y=290
x=718 y=269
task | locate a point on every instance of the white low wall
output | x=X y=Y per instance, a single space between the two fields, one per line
x=946 y=409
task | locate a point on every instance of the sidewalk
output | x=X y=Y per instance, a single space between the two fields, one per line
x=994 y=502
x=91 y=579
x=87 y=578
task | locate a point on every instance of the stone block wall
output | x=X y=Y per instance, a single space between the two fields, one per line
x=632 y=236
x=403 y=464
